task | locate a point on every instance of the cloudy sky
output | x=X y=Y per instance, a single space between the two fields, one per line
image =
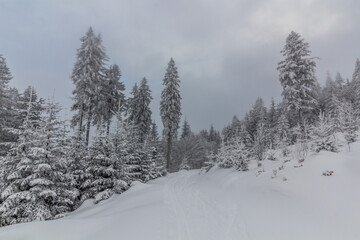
x=226 y=51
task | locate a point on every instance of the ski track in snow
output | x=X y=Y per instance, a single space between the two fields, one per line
x=189 y=203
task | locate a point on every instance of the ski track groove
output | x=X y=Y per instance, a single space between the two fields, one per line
x=186 y=201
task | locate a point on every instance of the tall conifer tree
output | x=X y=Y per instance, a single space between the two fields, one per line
x=88 y=76
x=297 y=76
x=143 y=121
x=170 y=107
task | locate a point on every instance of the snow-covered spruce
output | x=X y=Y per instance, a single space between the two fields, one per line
x=322 y=135
x=36 y=184
x=170 y=107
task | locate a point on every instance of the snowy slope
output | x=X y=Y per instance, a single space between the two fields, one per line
x=223 y=204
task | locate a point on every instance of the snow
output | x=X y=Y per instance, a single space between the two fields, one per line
x=223 y=204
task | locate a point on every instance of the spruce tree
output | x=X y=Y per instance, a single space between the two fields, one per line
x=356 y=74
x=355 y=85
x=271 y=124
x=104 y=169
x=214 y=139
x=149 y=163
x=154 y=135
x=8 y=112
x=322 y=135
x=88 y=76
x=37 y=186
x=186 y=130
x=57 y=145
x=170 y=107
x=339 y=84
x=297 y=76
x=212 y=134
x=282 y=131
x=30 y=95
x=5 y=77
x=143 y=120
x=233 y=129
x=350 y=123
x=260 y=140
x=114 y=97
x=257 y=114
x=133 y=104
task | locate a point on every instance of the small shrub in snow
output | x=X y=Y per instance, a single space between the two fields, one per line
x=271 y=155
x=185 y=165
x=285 y=152
x=274 y=173
x=327 y=173
x=259 y=172
x=284 y=179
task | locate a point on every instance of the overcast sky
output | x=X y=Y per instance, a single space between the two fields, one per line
x=226 y=51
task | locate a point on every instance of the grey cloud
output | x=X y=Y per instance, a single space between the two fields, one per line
x=226 y=52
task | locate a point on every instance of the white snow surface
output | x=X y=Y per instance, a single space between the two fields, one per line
x=223 y=204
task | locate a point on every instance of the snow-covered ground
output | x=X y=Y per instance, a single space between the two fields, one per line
x=299 y=203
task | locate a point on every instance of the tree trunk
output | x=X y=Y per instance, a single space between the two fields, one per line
x=88 y=129
x=108 y=127
x=302 y=124
x=80 y=122
x=168 y=153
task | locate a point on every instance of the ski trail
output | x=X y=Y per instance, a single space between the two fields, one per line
x=211 y=218
x=236 y=225
x=172 y=193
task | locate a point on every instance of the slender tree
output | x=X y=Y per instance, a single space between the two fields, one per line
x=5 y=100
x=170 y=107
x=8 y=112
x=186 y=130
x=154 y=135
x=350 y=123
x=143 y=120
x=88 y=76
x=356 y=74
x=355 y=85
x=132 y=104
x=114 y=97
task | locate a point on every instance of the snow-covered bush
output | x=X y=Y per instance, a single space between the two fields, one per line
x=107 y=193
x=233 y=154
x=322 y=135
x=271 y=154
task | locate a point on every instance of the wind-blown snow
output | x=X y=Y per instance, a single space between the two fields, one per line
x=223 y=204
